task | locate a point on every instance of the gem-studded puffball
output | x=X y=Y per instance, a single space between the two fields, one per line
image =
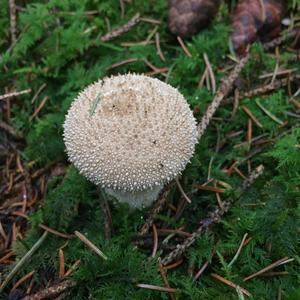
x=130 y=133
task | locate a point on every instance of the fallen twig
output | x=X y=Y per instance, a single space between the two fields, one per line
x=213 y=217
x=13 y=20
x=52 y=291
x=156 y=209
x=119 y=31
x=14 y=94
x=221 y=93
x=108 y=225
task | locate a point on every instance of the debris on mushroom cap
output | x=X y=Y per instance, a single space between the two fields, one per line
x=130 y=133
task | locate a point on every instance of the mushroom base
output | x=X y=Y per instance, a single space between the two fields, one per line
x=139 y=199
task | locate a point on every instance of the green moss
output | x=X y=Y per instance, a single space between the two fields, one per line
x=60 y=46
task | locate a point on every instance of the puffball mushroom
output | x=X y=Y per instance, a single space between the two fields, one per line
x=130 y=134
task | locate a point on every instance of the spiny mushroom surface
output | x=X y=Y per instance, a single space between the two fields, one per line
x=130 y=134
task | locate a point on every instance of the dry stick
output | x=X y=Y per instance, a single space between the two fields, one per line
x=52 y=291
x=22 y=261
x=156 y=209
x=278 y=41
x=13 y=94
x=119 y=31
x=13 y=20
x=108 y=224
x=213 y=217
x=266 y=88
x=221 y=94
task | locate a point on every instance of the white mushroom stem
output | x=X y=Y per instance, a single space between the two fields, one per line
x=139 y=199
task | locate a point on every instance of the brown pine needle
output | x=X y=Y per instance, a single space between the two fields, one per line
x=158 y=48
x=14 y=94
x=271 y=274
x=249 y=132
x=156 y=288
x=55 y=232
x=61 y=256
x=230 y=283
x=277 y=263
x=184 y=195
x=151 y=21
x=199 y=273
x=6 y=256
x=209 y=188
x=268 y=113
x=39 y=108
x=176 y=231
x=173 y=265
x=2 y=232
x=92 y=246
x=72 y=268
x=38 y=92
x=242 y=244
x=251 y=116
x=211 y=73
x=183 y=46
x=20 y=281
x=296 y=103
x=165 y=279
x=239 y=172
x=155 y=241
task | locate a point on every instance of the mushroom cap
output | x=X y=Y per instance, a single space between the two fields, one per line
x=130 y=132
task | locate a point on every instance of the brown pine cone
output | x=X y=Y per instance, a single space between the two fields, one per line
x=187 y=17
x=255 y=19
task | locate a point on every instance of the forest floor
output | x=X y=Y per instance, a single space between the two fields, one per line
x=239 y=236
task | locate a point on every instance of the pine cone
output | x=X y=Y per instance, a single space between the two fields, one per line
x=255 y=19
x=186 y=17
